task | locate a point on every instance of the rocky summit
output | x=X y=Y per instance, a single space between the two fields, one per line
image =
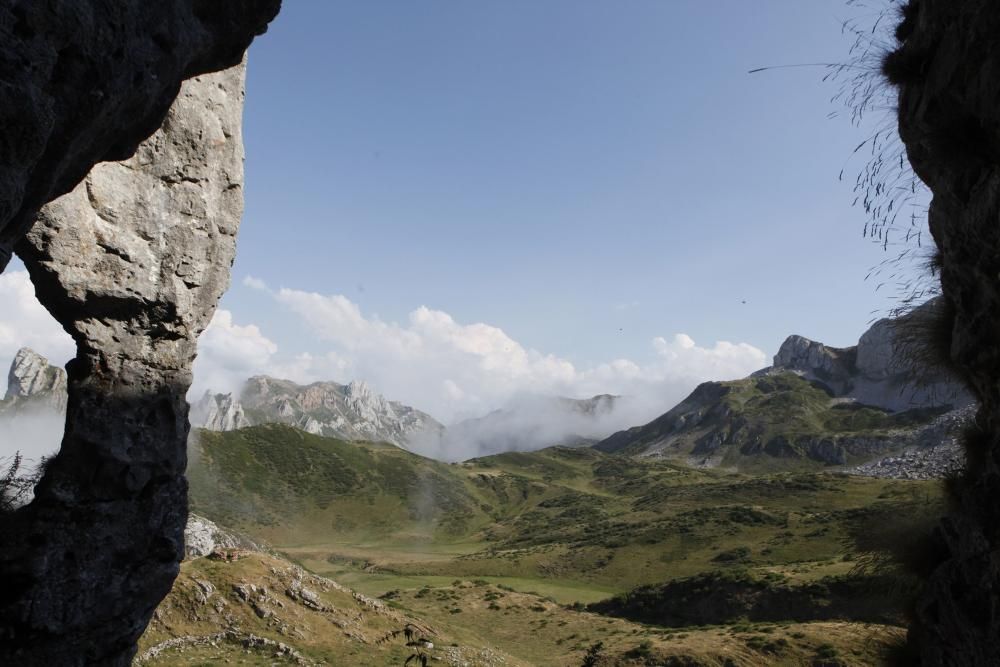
x=817 y=405
x=34 y=384
x=353 y=411
x=880 y=370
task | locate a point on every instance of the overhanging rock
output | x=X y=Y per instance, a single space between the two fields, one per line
x=132 y=263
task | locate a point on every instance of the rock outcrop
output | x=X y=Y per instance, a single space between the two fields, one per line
x=880 y=370
x=132 y=264
x=219 y=412
x=34 y=384
x=202 y=537
x=353 y=411
x=945 y=69
x=85 y=81
x=816 y=405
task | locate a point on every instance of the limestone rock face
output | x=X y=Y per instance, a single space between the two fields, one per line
x=132 y=262
x=353 y=411
x=877 y=371
x=34 y=382
x=219 y=412
x=83 y=81
x=202 y=537
x=832 y=366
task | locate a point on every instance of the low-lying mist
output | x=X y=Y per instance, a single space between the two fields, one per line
x=34 y=436
x=529 y=423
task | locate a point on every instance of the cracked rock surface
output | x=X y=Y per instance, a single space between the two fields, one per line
x=132 y=263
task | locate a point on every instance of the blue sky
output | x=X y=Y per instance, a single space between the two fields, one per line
x=544 y=165
x=587 y=176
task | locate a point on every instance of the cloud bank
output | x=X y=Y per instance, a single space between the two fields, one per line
x=454 y=370
x=450 y=369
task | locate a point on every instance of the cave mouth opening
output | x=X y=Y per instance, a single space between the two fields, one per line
x=32 y=392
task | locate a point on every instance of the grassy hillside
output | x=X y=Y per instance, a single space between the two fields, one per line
x=287 y=486
x=263 y=610
x=769 y=422
x=577 y=522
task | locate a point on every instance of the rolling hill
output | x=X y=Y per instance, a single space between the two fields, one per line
x=774 y=421
x=581 y=518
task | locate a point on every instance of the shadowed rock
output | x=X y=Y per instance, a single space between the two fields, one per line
x=132 y=264
x=946 y=70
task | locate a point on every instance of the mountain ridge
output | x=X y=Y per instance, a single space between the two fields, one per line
x=352 y=411
x=815 y=406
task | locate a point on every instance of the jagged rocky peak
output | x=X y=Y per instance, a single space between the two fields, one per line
x=798 y=353
x=354 y=411
x=219 y=412
x=819 y=391
x=32 y=374
x=33 y=381
x=880 y=370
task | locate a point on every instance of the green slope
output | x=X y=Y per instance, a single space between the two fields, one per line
x=290 y=486
x=578 y=522
x=768 y=423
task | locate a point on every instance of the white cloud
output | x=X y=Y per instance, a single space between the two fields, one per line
x=229 y=353
x=25 y=323
x=255 y=283
x=455 y=370
x=450 y=369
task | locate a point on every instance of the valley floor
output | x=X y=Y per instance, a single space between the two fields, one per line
x=500 y=560
x=263 y=610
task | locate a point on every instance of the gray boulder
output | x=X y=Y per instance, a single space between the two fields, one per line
x=202 y=537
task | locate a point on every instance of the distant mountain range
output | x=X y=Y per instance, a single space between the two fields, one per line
x=817 y=405
x=356 y=412
x=350 y=412
x=353 y=411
